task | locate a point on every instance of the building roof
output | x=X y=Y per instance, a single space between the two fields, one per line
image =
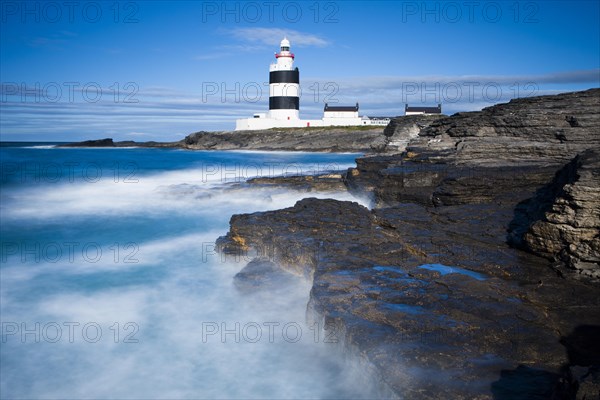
x=341 y=108
x=429 y=110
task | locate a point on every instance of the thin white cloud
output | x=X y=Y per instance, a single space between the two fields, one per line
x=69 y=33
x=55 y=40
x=395 y=82
x=40 y=41
x=137 y=134
x=259 y=39
x=228 y=51
x=163 y=113
x=272 y=37
x=212 y=56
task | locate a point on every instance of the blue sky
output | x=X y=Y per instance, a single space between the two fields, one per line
x=158 y=70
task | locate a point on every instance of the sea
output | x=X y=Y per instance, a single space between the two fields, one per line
x=111 y=286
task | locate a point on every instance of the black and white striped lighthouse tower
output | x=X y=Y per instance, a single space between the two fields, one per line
x=284 y=85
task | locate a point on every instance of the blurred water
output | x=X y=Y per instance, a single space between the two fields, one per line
x=111 y=288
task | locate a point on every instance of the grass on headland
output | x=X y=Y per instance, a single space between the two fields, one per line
x=332 y=128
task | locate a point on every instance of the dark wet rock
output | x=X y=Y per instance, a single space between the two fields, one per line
x=413 y=323
x=473 y=185
x=583 y=370
x=331 y=182
x=586 y=380
x=391 y=180
x=365 y=177
x=583 y=346
x=525 y=383
x=486 y=152
x=294 y=252
x=261 y=274
x=424 y=288
x=545 y=129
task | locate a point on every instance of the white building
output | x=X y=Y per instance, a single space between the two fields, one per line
x=340 y=111
x=422 y=110
x=284 y=102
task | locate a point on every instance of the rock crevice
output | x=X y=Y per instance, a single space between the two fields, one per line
x=562 y=221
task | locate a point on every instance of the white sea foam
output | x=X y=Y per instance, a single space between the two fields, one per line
x=150 y=194
x=156 y=315
x=40 y=147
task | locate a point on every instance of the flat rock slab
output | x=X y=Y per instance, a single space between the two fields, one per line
x=417 y=312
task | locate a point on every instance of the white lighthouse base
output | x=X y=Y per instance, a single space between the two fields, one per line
x=259 y=123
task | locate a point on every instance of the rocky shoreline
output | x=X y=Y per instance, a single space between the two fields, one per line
x=475 y=275
x=359 y=139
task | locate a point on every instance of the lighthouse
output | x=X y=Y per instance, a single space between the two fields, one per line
x=284 y=85
x=284 y=102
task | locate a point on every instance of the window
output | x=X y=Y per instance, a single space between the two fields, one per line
x=285 y=48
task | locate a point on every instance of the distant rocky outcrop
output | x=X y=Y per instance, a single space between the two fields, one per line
x=108 y=142
x=359 y=139
x=425 y=289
